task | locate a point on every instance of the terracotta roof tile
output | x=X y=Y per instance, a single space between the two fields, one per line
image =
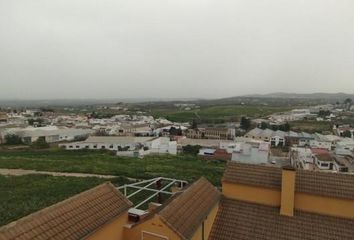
x=337 y=185
x=237 y=220
x=185 y=213
x=326 y=184
x=253 y=174
x=73 y=218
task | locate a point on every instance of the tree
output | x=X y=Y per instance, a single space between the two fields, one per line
x=175 y=131
x=264 y=125
x=245 y=123
x=286 y=127
x=324 y=113
x=347 y=134
x=275 y=127
x=40 y=143
x=194 y=124
x=81 y=138
x=13 y=139
x=101 y=132
x=348 y=103
x=191 y=149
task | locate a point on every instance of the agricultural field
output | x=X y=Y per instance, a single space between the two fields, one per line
x=22 y=195
x=184 y=167
x=311 y=126
x=217 y=114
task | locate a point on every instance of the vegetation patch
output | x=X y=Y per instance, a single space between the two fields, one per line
x=23 y=195
x=311 y=126
x=184 y=167
x=217 y=114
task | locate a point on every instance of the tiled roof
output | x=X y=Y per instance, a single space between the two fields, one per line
x=73 y=218
x=237 y=220
x=293 y=134
x=117 y=140
x=185 y=213
x=279 y=133
x=305 y=135
x=319 y=183
x=253 y=174
x=326 y=184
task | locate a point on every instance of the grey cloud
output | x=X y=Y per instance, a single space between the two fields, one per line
x=174 y=48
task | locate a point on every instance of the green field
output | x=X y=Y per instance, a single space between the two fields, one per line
x=311 y=126
x=182 y=167
x=217 y=114
x=22 y=195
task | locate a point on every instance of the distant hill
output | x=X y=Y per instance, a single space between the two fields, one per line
x=287 y=99
x=82 y=102
x=329 y=96
x=281 y=99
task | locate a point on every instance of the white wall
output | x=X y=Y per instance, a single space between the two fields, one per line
x=320 y=144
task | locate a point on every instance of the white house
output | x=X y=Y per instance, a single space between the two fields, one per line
x=260 y=134
x=245 y=152
x=324 y=162
x=304 y=139
x=163 y=145
x=321 y=141
x=278 y=138
x=345 y=147
x=323 y=159
x=342 y=129
x=301 y=158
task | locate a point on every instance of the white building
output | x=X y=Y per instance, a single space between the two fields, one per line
x=301 y=158
x=278 y=138
x=163 y=145
x=126 y=144
x=323 y=141
x=342 y=129
x=51 y=134
x=245 y=152
x=345 y=147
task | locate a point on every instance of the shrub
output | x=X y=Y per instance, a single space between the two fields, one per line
x=191 y=149
x=12 y=139
x=40 y=143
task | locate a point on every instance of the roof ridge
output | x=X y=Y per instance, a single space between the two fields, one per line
x=178 y=215
x=70 y=213
x=51 y=206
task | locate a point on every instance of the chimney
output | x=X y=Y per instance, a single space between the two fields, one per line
x=287 y=191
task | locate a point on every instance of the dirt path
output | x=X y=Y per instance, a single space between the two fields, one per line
x=20 y=172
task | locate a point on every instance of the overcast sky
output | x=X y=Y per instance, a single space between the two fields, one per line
x=174 y=48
